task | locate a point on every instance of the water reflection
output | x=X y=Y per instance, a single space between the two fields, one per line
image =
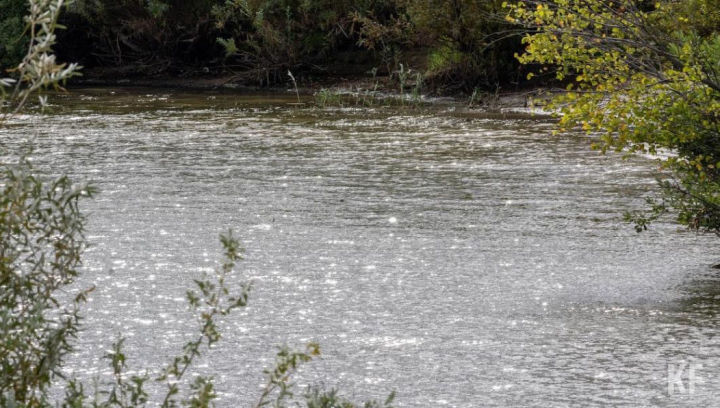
x=462 y=259
x=701 y=296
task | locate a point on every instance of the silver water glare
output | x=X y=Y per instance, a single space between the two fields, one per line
x=464 y=260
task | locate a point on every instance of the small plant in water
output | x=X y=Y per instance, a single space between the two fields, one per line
x=417 y=89
x=292 y=78
x=327 y=97
x=415 y=96
x=474 y=96
x=402 y=79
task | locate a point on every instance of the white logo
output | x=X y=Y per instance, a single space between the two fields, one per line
x=677 y=377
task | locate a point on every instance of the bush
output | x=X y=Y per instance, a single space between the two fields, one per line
x=460 y=45
x=41 y=242
x=642 y=83
x=266 y=36
x=12 y=41
x=38 y=68
x=467 y=45
x=464 y=43
x=273 y=36
x=151 y=36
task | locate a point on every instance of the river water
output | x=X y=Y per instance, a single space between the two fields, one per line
x=461 y=259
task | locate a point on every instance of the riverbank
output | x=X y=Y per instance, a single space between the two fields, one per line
x=335 y=89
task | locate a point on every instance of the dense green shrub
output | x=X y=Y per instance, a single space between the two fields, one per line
x=467 y=41
x=37 y=69
x=12 y=42
x=276 y=35
x=149 y=36
x=41 y=243
x=646 y=78
x=456 y=44
x=270 y=36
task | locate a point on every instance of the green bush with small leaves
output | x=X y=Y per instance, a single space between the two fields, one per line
x=12 y=41
x=642 y=78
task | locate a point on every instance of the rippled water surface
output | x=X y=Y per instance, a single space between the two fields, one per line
x=462 y=259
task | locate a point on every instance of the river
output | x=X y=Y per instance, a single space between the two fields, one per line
x=460 y=258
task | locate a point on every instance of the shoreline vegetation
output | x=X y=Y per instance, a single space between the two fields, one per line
x=330 y=92
x=448 y=47
x=465 y=50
